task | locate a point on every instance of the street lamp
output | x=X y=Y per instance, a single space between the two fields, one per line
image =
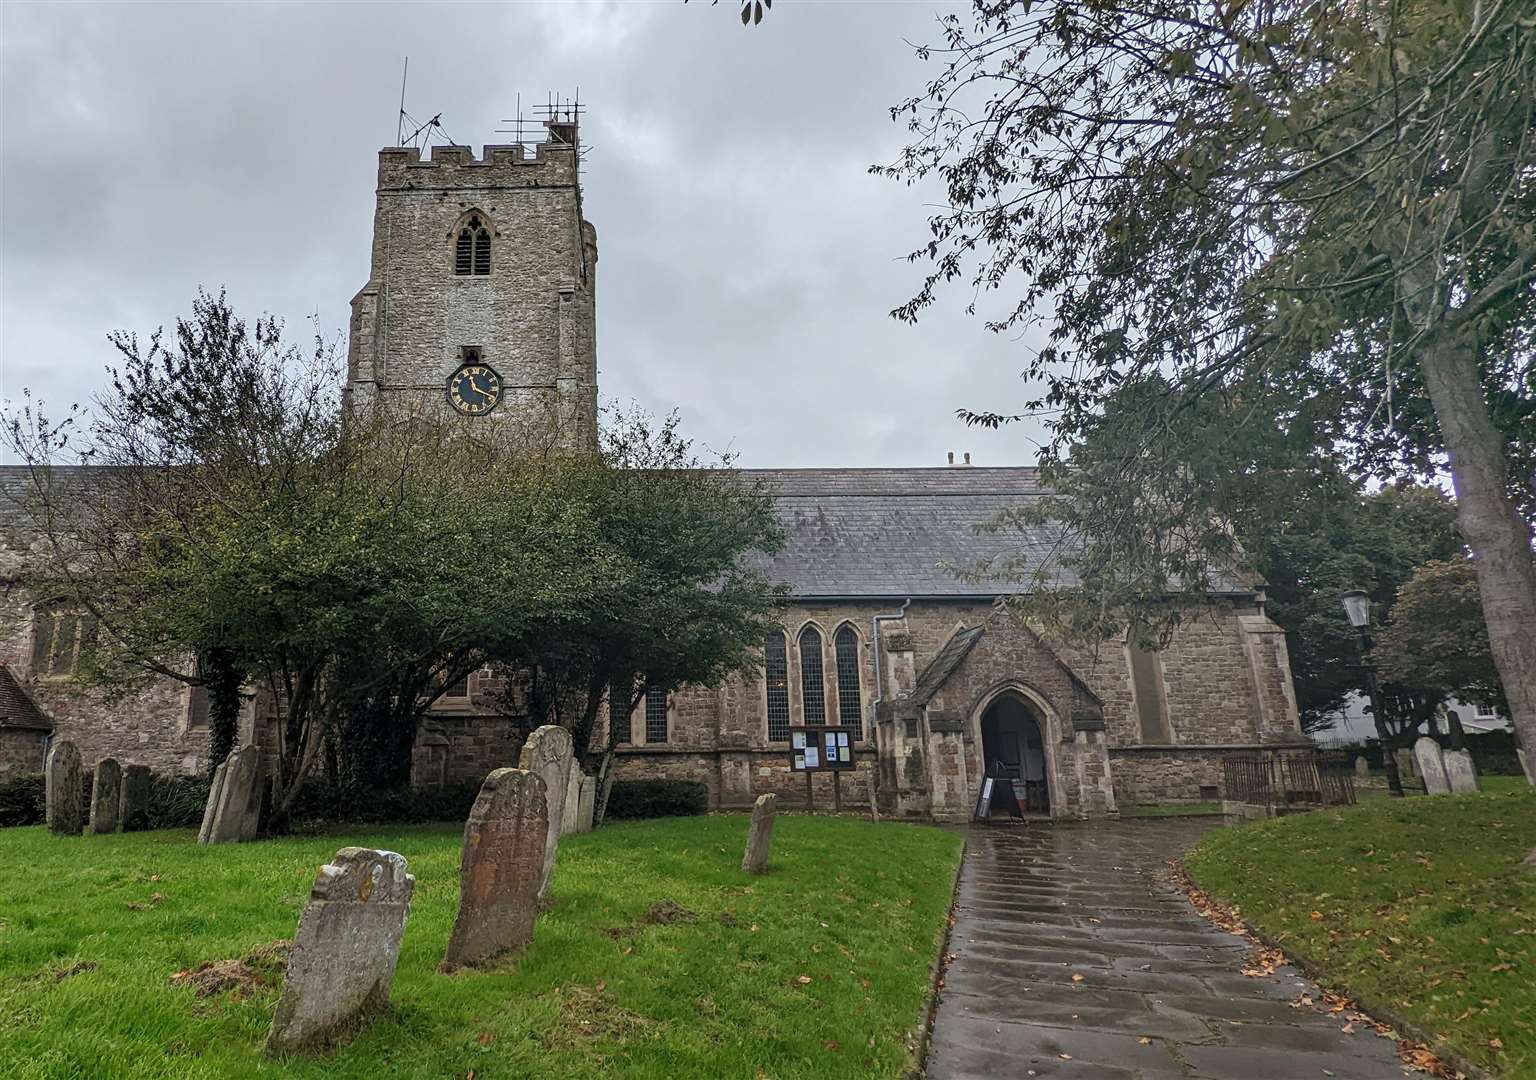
x=1357 y=606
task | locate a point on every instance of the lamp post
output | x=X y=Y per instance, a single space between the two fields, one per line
x=1357 y=605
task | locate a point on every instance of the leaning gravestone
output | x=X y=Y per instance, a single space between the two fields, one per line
x=133 y=811
x=570 y=818
x=106 y=794
x=547 y=754
x=1460 y=772
x=345 y=951
x=760 y=834
x=1431 y=766
x=63 y=790
x=233 y=812
x=1362 y=767
x=1405 y=764
x=500 y=869
x=586 y=803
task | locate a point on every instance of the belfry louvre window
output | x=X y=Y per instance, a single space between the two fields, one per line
x=618 y=712
x=850 y=703
x=472 y=250
x=813 y=689
x=655 y=714
x=776 y=675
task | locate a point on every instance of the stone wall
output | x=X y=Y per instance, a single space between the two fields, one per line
x=1165 y=775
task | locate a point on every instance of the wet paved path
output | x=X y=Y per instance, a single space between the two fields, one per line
x=1161 y=994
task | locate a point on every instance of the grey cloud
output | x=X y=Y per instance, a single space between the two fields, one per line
x=748 y=261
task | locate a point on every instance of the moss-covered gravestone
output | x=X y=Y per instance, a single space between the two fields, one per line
x=63 y=790
x=760 y=834
x=106 y=795
x=133 y=810
x=345 y=952
x=547 y=754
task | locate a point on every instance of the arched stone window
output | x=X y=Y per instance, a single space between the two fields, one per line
x=472 y=248
x=813 y=687
x=850 y=702
x=776 y=676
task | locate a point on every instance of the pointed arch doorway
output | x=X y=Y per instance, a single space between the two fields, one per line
x=1013 y=748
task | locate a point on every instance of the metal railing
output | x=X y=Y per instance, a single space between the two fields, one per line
x=1290 y=779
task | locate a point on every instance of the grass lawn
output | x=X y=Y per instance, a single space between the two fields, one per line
x=816 y=969
x=1418 y=906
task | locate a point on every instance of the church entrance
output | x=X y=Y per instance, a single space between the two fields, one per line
x=1013 y=749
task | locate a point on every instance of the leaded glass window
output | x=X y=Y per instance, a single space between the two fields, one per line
x=850 y=703
x=655 y=715
x=776 y=675
x=813 y=691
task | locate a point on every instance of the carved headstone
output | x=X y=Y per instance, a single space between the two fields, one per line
x=1362 y=767
x=760 y=834
x=874 y=803
x=1406 y=767
x=345 y=951
x=1460 y=772
x=1426 y=753
x=133 y=810
x=234 y=802
x=106 y=794
x=63 y=790
x=500 y=869
x=547 y=754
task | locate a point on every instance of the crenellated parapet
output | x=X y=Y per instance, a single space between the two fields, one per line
x=456 y=167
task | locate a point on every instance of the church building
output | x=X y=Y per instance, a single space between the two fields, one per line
x=482 y=299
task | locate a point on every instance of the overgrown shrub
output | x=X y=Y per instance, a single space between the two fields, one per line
x=657 y=798
x=177 y=802
x=21 y=800
x=321 y=803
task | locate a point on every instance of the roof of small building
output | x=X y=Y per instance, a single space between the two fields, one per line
x=17 y=709
x=937 y=673
x=899 y=532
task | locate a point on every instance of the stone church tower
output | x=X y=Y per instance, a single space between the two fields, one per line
x=481 y=299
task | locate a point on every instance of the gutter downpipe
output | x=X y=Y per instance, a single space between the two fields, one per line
x=874 y=706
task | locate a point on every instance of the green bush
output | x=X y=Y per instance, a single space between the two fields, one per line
x=177 y=802
x=321 y=803
x=657 y=798
x=21 y=800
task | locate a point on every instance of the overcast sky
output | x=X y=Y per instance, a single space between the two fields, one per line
x=748 y=259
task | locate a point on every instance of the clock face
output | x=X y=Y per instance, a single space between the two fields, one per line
x=474 y=389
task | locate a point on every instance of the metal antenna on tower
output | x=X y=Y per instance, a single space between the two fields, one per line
x=400 y=116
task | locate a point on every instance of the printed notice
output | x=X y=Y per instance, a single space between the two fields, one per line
x=798 y=740
x=799 y=761
x=812 y=758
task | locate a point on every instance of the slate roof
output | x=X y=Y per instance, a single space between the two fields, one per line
x=892 y=532
x=938 y=671
x=17 y=709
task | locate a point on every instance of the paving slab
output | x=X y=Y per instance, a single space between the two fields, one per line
x=1160 y=992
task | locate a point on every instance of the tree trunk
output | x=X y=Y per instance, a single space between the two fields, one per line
x=1499 y=538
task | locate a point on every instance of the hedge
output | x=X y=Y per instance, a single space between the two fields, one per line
x=21 y=799
x=657 y=798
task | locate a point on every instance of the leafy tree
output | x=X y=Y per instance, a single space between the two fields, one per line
x=1322 y=213
x=1435 y=635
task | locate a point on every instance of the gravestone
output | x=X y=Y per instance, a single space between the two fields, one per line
x=1525 y=767
x=1460 y=772
x=1362 y=767
x=133 y=811
x=874 y=803
x=106 y=794
x=570 y=819
x=1406 y=767
x=547 y=754
x=586 y=803
x=760 y=834
x=1431 y=766
x=500 y=869
x=63 y=790
x=233 y=813
x=344 y=954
